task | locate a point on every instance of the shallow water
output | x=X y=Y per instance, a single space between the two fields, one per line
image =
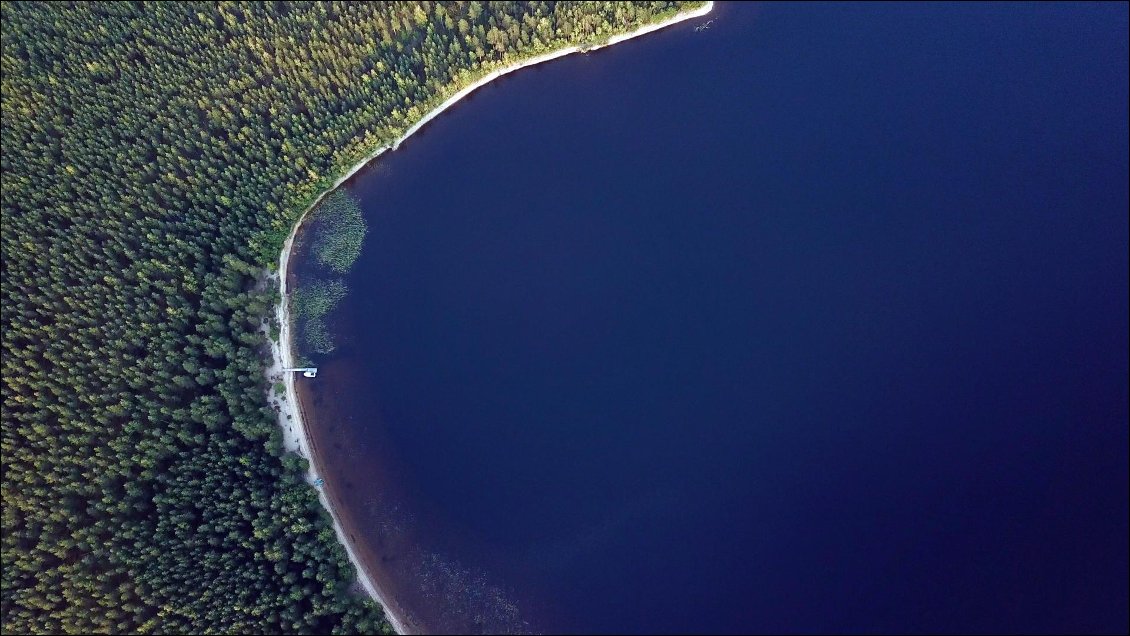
x=815 y=320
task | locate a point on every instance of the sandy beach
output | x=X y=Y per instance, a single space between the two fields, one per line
x=295 y=436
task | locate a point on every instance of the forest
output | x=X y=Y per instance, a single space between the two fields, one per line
x=154 y=158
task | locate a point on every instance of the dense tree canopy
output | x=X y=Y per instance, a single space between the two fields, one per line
x=154 y=156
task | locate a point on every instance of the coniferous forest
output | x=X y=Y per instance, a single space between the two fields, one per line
x=154 y=158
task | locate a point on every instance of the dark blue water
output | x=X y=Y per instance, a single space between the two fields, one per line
x=814 y=320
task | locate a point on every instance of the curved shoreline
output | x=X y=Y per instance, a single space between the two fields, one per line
x=295 y=436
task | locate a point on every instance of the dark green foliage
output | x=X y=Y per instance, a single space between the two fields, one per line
x=154 y=158
x=339 y=230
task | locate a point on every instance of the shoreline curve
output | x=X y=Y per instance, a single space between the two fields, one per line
x=295 y=437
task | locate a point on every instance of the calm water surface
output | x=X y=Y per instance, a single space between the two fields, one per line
x=813 y=320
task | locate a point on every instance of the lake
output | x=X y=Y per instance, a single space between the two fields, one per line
x=814 y=320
